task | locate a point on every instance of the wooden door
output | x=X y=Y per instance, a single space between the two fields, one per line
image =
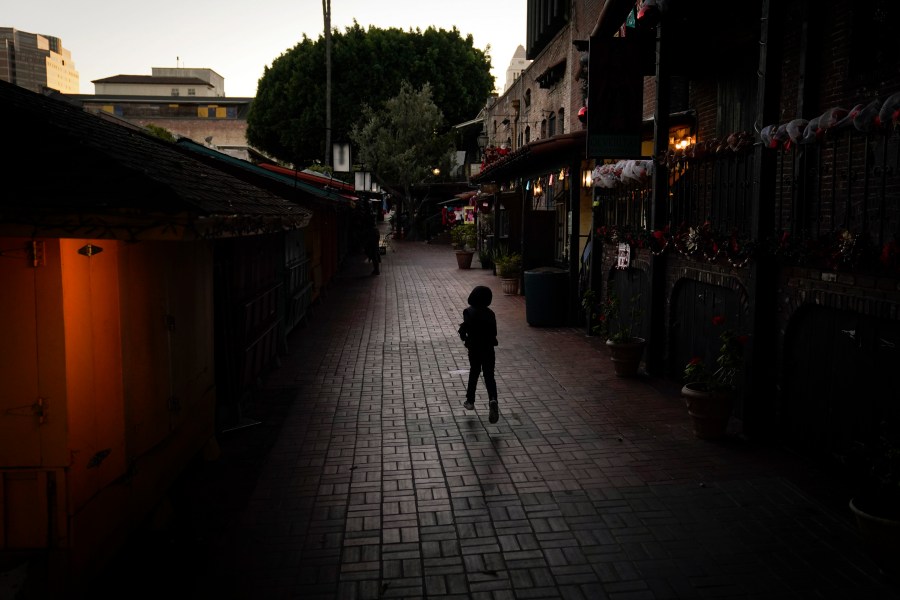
x=32 y=366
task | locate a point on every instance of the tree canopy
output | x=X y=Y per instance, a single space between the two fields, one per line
x=369 y=66
x=400 y=142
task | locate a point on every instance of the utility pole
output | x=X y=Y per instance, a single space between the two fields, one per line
x=326 y=12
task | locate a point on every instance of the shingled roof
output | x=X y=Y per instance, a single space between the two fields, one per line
x=69 y=173
x=295 y=189
x=153 y=79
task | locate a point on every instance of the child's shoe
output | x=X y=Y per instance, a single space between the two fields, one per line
x=495 y=411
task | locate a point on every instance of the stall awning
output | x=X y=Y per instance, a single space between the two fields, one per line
x=476 y=121
x=464 y=198
x=536 y=158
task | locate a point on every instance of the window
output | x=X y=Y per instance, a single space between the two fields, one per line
x=562 y=120
x=192 y=92
x=527 y=134
x=551 y=125
x=175 y=92
x=527 y=97
x=543 y=128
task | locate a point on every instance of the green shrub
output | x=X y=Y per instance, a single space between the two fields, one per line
x=463 y=236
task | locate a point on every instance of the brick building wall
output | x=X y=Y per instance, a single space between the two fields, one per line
x=565 y=94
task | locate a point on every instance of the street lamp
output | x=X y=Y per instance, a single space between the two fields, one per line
x=362 y=181
x=482 y=141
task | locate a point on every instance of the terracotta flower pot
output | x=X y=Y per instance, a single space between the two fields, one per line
x=464 y=259
x=626 y=356
x=709 y=410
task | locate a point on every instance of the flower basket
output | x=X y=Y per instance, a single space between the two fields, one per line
x=709 y=392
x=619 y=326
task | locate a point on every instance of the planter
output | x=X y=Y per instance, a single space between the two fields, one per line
x=626 y=356
x=709 y=411
x=464 y=259
x=510 y=285
x=880 y=535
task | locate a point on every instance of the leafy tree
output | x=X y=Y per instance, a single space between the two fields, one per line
x=160 y=132
x=287 y=119
x=400 y=143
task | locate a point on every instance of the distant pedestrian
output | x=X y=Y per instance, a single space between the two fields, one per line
x=373 y=248
x=479 y=332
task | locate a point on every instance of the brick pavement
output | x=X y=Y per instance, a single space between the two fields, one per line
x=376 y=483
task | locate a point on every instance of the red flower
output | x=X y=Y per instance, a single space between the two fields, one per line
x=718 y=320
x=695 y=361
x=659 y=235
x=742 y=339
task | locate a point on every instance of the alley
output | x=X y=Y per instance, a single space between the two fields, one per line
x=377 y=483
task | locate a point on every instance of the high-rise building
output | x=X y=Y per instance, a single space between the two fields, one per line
x=36 y=62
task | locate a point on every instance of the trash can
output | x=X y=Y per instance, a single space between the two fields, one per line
x=545 y=296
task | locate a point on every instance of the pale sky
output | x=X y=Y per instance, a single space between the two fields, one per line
x=237 y=39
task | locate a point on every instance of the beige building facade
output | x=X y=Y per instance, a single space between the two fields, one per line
x=189 y=103
x=164 y=81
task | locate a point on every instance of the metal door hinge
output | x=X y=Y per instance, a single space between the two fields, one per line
x=90 y=250
x=39 y=409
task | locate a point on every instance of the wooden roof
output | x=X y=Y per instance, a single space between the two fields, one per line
x=69 y=173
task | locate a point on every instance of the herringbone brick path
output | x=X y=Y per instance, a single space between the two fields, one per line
x=376 y=483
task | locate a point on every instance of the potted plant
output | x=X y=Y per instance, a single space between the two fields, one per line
x=875 y=469
x=509 y=269
x=463 y=238
x=618 y=326
x=709 y=391
x=486 y=259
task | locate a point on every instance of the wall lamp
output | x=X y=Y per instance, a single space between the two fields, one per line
x=586 y=178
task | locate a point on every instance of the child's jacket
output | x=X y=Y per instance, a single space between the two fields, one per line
x=479 y=327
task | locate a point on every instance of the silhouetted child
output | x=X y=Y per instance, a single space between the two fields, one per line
x=479 y=331
x=373 y=250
